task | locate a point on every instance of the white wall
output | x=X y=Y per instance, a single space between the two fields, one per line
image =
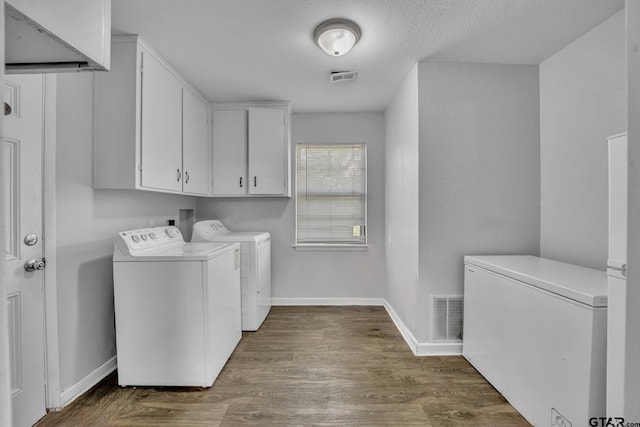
x=582 y=102
x=631 y=348
x=479 y=184
x=318 y=274
x=401 y=199
x=87 y=221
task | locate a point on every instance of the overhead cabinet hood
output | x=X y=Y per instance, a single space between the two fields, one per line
x=57 y=36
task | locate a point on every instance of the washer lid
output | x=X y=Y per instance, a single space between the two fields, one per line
x=162 y=244
x=214 y=231
x=183 y=252
x=585 y=285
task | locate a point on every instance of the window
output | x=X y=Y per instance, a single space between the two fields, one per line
x=331 y=194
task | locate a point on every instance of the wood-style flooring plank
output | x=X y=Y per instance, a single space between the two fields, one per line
x=309 y=366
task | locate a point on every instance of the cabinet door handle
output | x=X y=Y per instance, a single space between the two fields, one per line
x=179 y=175
x=240 y=182
x=186 y=176
x=255 y=181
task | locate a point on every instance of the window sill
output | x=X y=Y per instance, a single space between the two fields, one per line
x=331 y=248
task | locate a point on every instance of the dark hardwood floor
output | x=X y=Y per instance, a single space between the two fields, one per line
x=310 y=366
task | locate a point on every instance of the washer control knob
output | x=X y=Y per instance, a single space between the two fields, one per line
x=169 y=232
x=135 y=238
x=153 y=235
x=143 y=237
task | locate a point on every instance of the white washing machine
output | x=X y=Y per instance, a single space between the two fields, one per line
x=255 y=261
x=177 y=307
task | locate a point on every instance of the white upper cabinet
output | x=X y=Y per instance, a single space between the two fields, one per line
x=195 y=143
x=229 y=152
x=267 y=151
x=161 y=119
x=57 y=36
x=151 y=130
x=251 y=150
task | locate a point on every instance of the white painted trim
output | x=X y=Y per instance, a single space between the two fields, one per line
x=93 y=378
x=328 y=301
x=631 y=341
x=5 y=372
x=423 y=348
x=439 y=349
x=52 y=354
x=402 y=328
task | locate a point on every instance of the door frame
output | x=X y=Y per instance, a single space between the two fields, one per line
x=53 y=395
x=5 y=387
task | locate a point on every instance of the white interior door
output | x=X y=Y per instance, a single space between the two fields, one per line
x=22 y=171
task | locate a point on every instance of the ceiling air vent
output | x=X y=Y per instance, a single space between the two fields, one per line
x=342 y=76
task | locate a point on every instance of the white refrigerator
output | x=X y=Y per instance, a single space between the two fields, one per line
x=616 y=272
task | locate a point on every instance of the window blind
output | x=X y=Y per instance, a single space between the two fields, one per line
x=331 y=193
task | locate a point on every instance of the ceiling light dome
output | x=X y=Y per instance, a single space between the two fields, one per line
x=337 y=36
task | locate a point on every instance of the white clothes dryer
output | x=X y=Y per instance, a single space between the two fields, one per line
x=255 y=267
x=177 y=307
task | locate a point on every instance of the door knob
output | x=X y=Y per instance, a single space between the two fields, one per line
x=34 y=264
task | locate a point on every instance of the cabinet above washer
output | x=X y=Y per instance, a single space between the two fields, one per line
x=251 y=153
x=151 y=126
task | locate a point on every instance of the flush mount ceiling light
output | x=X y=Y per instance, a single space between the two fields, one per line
x=337 y=36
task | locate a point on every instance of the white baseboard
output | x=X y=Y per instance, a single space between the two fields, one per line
x=404 y=331
x=93 y=378
x=327 y=301
x=439 y=349
x=422 y=348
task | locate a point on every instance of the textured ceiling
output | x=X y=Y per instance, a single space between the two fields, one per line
x=241 y=50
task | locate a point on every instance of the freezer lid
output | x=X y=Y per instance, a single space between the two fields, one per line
x=585 y=285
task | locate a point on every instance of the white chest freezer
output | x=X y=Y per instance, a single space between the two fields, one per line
x=536 y=329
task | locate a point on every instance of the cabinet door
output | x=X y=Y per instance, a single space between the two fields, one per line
x=230 y=152
x=267 y=151
x=195 y=146
x=161 y=126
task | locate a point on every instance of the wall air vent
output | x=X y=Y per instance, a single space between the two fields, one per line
x=447 y=318
x=342 y=76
